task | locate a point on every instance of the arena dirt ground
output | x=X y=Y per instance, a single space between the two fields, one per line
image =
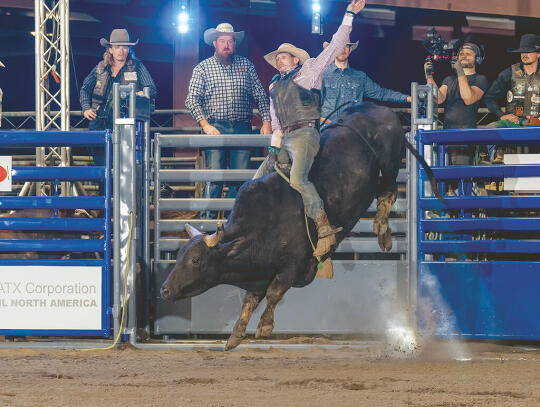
x=370 y=374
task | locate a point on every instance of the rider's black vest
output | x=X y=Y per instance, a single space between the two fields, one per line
x=293 y=103
x=523 y=98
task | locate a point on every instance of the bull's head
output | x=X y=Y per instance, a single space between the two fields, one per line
x=196 y=270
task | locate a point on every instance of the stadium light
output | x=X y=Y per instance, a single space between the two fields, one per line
x=183 y=17
x=316 y=23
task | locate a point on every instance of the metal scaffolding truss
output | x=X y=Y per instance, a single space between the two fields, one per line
x=52 y=80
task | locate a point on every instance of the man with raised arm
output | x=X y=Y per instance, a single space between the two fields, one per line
x=295 y=107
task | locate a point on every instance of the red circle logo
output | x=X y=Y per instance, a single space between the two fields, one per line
x=3 y=174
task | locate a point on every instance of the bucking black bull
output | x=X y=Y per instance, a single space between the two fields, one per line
x=264 y=247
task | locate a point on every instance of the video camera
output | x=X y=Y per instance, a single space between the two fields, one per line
x=438 y=48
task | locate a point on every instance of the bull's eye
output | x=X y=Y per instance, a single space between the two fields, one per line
x=196 y=261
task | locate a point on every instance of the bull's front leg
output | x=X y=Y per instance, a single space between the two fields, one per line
x=274 y=293
x=251 y=301
x=380 y=223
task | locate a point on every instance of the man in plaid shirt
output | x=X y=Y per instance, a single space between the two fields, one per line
x=220 y=98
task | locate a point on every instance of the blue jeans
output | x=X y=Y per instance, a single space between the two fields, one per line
x=225 y=158
x=302 y=146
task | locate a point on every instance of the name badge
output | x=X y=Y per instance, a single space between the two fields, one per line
x=130 y=76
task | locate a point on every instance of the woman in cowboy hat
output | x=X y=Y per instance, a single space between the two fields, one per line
x=120 y=65
x=295 y=109
x=520 y=83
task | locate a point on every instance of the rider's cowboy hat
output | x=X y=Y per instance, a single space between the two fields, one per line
x=212 y=34
x=119 y=36
x=528 y=43
x=353 y=45
x=299 y=53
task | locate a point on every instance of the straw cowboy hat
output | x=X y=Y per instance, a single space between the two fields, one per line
x=299 y=53
x=211 y=34
x=528 y=43
x=353 y=45
x=119 y=36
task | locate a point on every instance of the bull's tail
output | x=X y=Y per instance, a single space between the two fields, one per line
x=429 y=172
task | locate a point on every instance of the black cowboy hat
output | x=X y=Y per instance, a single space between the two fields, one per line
x=528 y=43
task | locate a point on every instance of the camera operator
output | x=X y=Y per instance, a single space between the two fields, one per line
x=520 y=83
x=461 y=94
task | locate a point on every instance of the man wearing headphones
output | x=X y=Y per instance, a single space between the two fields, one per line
x=461 y=94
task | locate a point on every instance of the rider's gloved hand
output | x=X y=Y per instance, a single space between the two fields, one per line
x=272 y=158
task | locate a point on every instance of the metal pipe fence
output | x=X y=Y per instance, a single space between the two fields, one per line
x=83 y=248
x=481 y=253
x=162 y=120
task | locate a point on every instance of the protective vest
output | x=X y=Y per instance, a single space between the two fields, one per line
x=293 y=103
x=104 y=76
x=523 y=98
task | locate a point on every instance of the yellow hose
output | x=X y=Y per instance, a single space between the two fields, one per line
x=125 y=291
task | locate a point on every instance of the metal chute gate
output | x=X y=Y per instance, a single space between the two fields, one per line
x=80 y=291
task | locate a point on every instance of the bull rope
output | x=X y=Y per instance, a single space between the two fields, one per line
x=125 y=291
x=282 y=175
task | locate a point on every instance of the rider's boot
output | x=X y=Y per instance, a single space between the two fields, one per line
x=326 y=233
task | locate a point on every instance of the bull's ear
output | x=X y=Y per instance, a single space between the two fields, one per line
x=192 y=232
x=214 y=239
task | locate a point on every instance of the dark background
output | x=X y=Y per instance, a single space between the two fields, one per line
x=388 y=54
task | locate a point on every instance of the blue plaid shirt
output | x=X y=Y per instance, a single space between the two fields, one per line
x=340 y=86
x=226 y=93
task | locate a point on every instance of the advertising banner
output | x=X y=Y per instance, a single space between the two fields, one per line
x=50 y=298
x=5 y=173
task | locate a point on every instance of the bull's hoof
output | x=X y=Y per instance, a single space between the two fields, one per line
x=264 y=331
x=234 y=341
x=385 y=240
x=379 y=227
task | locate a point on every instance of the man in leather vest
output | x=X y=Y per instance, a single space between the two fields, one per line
x=295 y=108
x=120 y=65
x=520 y=83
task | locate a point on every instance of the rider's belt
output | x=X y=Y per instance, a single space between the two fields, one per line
x=301 y=125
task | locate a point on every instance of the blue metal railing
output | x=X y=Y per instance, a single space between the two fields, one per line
x=484 y=251
x=87 y=248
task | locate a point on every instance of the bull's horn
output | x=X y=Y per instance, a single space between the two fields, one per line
x=192 y=232
x=214 y=239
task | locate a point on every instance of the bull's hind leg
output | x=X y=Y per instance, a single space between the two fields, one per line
x=251 y=301
x=380 y=223
x=275 y=292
